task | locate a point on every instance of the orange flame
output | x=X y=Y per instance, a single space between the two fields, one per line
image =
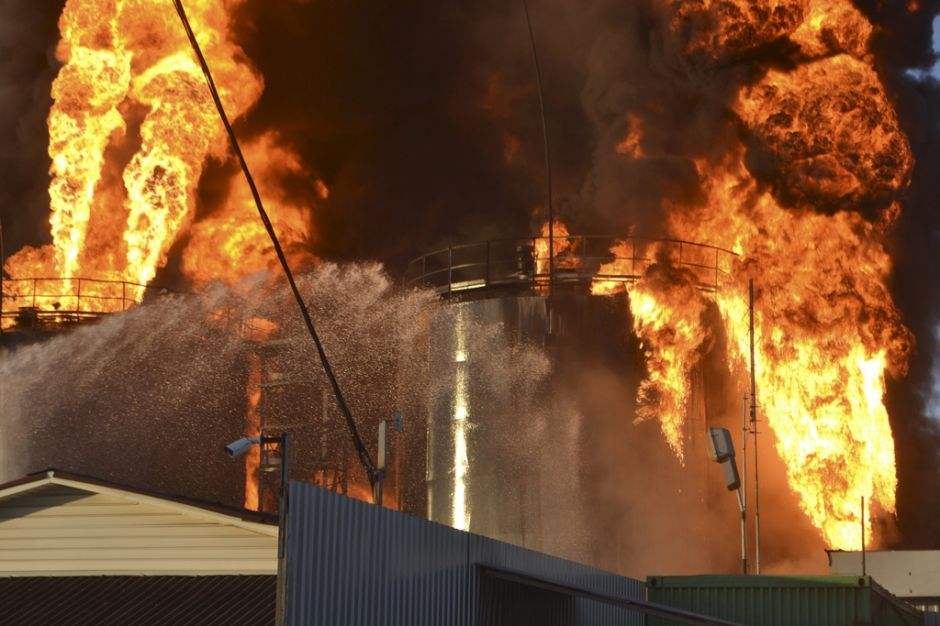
x=827 y=332
x=232 y=243
x=833 y=26
x=253 y=429
x=128 y=64
x=561 y=244
x=631 y=144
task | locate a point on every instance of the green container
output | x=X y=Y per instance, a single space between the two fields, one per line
x=783 y=600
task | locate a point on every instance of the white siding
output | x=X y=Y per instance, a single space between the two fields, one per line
x=66 y=528
x=905 y=573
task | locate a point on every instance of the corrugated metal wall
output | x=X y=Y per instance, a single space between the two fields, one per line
x=353 y=563
x=774 y=600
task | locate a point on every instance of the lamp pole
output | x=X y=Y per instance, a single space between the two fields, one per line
x=280 y=440
x=378 y=488
x=720 y=448
x=237 y=449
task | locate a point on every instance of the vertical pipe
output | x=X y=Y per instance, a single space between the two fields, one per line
x=633 y=256
x=283 y=511
x=450 y=268
x=754 y=430
x=377 y=488
x=548 y=166
x=486 y=280
x=740 y=493
x=864 y=565
x=744 y=434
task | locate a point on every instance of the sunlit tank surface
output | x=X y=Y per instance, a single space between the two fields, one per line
x=529 y=418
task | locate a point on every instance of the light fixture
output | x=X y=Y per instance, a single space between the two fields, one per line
x=721 y=450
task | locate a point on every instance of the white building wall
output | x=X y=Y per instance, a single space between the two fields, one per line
x=61 y=527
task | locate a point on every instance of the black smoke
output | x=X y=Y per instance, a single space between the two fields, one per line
x=904 y=52
x=28 y=35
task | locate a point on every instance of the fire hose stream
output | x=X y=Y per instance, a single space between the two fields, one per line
x=365 y=458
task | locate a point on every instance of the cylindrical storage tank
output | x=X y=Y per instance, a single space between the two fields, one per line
x=507 y=434
x=530 y=406
x=790 y=600
x=531 y=433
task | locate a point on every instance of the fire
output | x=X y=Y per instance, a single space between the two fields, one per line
x=808 y=217
x=631 y=144
x=232 y=243
x=712 y=31
x=93 y=82
x=827 y=333
x=561 y=244
x=256 y=330
x=667 y=317
x=667 y=309
x=253 y=429
x=830 y=131
x=131 y=128
x=181 y=127
x=833 y=26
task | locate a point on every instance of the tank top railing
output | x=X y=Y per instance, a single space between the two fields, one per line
x=51 y=301
x=579 y=260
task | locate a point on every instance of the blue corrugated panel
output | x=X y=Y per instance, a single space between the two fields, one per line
x=484 y=551
x=353 y=563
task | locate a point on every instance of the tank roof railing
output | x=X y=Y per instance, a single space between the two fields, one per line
x=48 y=302
x=582 y=260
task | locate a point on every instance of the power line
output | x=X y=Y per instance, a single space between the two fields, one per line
x=361 y=450
x=548 y=164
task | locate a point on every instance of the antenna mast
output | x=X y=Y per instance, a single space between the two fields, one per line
x=753 y=407
x=743 y=491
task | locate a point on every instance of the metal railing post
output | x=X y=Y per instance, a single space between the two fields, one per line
x=486 y=279
x=535 y=256
x=78 y=299
x=633 y=256
x=450 y=268
x=34 y=293
x=123 y=296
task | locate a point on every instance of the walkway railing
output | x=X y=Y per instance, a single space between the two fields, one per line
x=584 y=260
x=31 y=302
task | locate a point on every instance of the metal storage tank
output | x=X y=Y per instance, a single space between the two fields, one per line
x=778 y=600
x=513 y=431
